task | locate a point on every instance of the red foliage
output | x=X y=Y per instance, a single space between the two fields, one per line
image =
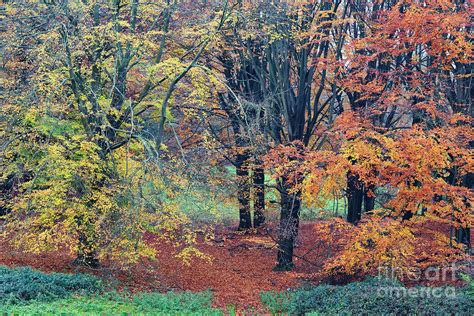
x=241 y=265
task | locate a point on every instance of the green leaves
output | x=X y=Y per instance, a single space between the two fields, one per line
x=20 y=285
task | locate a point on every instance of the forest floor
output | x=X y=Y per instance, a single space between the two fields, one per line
x=240 y=267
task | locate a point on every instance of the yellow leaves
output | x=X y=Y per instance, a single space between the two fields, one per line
x=123 y=23
x=30 y=116
x=376 y=243
x=203 y=88
x=70 y=201
x=104 y=102
x=168 y=68
x=125 y=250
x=190 y=253
x=318 y=190
x=71 y=185
x=10 y=10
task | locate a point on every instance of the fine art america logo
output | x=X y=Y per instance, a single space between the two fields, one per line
x=432 y=275
x=416 y=292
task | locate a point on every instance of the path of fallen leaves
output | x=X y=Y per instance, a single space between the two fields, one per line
x=241 y=266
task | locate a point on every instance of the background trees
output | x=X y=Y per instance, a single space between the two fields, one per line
x=111 y=107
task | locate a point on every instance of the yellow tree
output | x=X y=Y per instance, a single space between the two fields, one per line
x=99 y=78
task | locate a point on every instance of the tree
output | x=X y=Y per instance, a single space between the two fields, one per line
x=243 y=102
x=303 y=98
x=392 y=80
x=106 y=73
x=408 y=65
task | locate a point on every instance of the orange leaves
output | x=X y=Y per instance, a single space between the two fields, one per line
x=377 y=242
x=286 y=160
x=403 y=248
x=422 y=167
x=325 y=177
x=320 y=175
x=437 y=25
x=419 y=165
x=411 y=48
x=419 y=169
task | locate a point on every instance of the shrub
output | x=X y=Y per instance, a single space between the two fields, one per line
x=186 y=303
x=373 y=296
x=277 y=302
x=26 y=291
x=25 y=284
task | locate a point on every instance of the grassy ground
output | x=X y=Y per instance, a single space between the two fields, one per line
x=24 y=291
x=202 y=205
x=119 y=304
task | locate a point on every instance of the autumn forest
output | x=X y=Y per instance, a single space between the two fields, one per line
x=236 y=157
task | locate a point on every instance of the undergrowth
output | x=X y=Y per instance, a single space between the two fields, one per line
x=373 y=296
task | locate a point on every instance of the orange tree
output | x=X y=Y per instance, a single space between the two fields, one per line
x=398 y=131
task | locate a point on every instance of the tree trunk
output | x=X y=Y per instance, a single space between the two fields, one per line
x=86 y=254
x=463 y=234
x=243 y=194
x=259 y=197
x=369 y=201
x=355 y=195
x=288 y=230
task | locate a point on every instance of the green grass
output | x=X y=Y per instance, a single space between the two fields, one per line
x=24 y=291
x=20 y=285
x=120 y=304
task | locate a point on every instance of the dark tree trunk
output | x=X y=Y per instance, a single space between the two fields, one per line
x=463 y=234
x=369 y=199
x=259 y=197
x=243 y=192
x=288 y=230
x=355 y=195
x=5 y=195
x=86 y=254
x=243 y=181
x=407 y=216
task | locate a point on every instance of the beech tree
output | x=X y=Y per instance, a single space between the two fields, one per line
x=411 y=64
x=405 y=138
x=302 y=98
x=244 y=104
x=105 y=80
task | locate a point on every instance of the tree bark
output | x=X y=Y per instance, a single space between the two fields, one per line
x=369 y=201
x=243 y=192
x=463 y=234
x=355 y=195
x=288 y=230
x=259 y=197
